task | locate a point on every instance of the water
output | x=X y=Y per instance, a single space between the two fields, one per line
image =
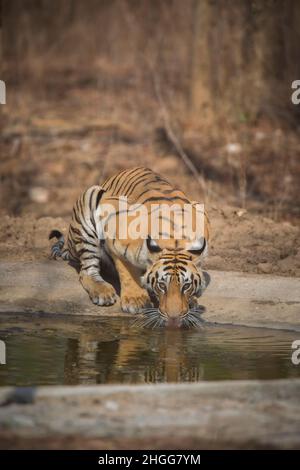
x=47 y=349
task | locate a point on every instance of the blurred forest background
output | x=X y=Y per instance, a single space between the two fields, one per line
x=200 y=86
x=198 y=90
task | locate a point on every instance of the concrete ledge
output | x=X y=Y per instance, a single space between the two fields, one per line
x=234 y=298
x=242 y=414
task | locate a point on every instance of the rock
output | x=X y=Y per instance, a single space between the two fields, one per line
x=259 y=135
x=265 y=268
x=241 y=212
x=111 y=405
x=287 y=265
x=233 y=148
x=39 y=194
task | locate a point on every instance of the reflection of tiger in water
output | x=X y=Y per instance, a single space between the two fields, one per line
x=167 y=267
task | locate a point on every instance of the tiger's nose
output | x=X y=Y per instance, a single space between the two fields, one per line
x=174 y=322
x=173 y=311
x=173 y=308
x=174 y=315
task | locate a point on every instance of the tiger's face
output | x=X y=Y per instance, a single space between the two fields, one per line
x=176 y=280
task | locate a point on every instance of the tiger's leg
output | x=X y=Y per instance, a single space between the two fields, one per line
x=133 y=296
x=100 y=291
x=84 y=247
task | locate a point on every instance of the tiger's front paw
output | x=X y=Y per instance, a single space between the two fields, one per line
x=135 y=304
x=104 y=294
x=100 y=292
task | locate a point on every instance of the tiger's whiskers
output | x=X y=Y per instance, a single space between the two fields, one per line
x=152 y=318
x=192 y=318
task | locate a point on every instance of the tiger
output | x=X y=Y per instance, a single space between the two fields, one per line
x=160 y=275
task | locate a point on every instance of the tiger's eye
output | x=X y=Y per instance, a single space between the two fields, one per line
x=186 y=286
x=162 y=286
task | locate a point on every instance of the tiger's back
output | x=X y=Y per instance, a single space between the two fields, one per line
x=143 y=186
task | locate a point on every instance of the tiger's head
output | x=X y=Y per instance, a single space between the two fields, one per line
x=175 y=278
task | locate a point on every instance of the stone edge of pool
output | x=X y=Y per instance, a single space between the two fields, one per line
x=238 y=414
x=230 y=298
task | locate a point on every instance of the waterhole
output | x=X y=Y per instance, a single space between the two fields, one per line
x=48 y=349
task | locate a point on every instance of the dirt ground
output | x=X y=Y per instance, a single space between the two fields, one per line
x=54 y=147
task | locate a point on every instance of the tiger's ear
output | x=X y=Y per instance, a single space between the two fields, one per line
x=198 y=247
x=152 y=246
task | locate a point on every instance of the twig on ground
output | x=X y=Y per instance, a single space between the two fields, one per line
x=173 y=137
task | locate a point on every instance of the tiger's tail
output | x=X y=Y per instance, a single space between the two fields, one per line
x=57 y=249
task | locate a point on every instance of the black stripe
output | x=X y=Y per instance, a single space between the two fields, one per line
x=175 y=261
x=111 y=182
x=125 y=183
x=99 y=196
x=139 y=252
x=85 y=268
x=92 y=244
x=91 y=257
x=81 y=222
x=156 y=189
x=91 y=199
x=117 y=180
x=177 y=256
x=133 y=174
x=138 y=181
x=75 y=230
x=118 y=185
x=168 y=268
x=80 y=205
x=160 y=198
x=132 y=181
x=181 y=268
x=125 y=252
x=85 y=250
x=92 y=218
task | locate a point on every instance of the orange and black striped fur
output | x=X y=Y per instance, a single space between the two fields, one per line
x=166 y=268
